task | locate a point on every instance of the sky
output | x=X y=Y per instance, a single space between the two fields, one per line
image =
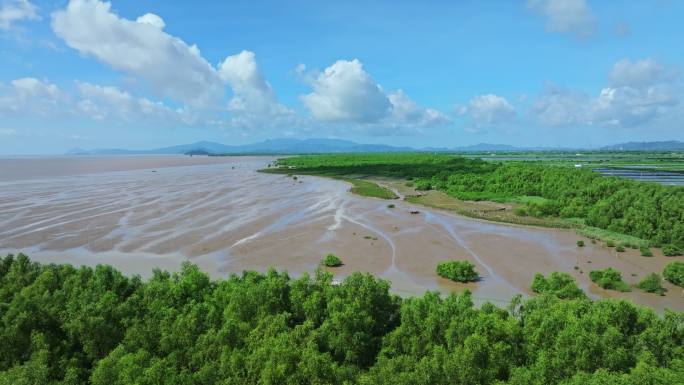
x=143 y=74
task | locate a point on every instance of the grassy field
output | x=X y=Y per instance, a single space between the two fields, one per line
x=483 y=210
x=359 y=186
x=369 y=189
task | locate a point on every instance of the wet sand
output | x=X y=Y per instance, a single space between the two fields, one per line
x=141 y=212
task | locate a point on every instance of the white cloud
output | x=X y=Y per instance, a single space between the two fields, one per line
x=642 y=73
x=151 y=19
x=488 y=110
x=31 y=96
x=627 y=106
x=107 y=102
x=560 y=107
x=345 y=92
x=405 y=112
x=16 y=10
x=139 y=48
x=638 y=94
x=253 y=101
x=566 y=16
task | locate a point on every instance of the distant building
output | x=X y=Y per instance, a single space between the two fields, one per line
x=578 y=165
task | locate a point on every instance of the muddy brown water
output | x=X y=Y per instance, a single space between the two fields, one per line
x=141 y=212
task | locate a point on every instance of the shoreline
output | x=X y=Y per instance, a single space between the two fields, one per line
x=539 y=223
x=137 y=219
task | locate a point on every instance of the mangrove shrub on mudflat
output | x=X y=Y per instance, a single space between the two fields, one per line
x=562 y=285
x=459 y=271
x=652 y=283
x=671 y=251
x=332 y=260
x=674 y=272
x=609 y=278
x=645 y=251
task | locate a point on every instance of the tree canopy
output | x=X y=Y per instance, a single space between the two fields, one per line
x=65 y=325
x=459 y=271
x=648 y=211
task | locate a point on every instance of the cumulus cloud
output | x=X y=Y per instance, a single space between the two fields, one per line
x=151 y=19
x=642 y=73
x=253 y=101
x=405 y=112
x=16 y=10
x=558 y=106
x=107 y=102
x=139 y=48
x=487 y=110
x=638 y=93
x=566 y=16
x=345 y=93
x=31 y=96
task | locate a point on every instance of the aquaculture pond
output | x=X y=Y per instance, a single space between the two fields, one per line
x=662 y=177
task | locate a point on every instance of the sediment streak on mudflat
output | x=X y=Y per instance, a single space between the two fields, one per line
x=140 y=212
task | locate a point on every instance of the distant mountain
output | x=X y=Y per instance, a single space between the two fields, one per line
x=271 y=146
x=488 y=147
x=77 y=151
x=670 y=145
x=318 y=146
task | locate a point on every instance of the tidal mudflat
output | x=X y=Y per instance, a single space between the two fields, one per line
x=219 y=212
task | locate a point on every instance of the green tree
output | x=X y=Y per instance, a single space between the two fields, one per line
x=332 y=260
x=652 y=283
x=609 y=278
x=459 y=271
x=674 y=272
x=562 y=285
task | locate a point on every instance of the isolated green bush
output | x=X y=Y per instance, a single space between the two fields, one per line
x=459 y=271
x=620 y=249
x=580 y=243
x=422 y=184
x=674 y=272
x=609 y=278
x=645 y=251
x=562 y=285
x=671 y=250
x=521 y=211
x=331 y=260
x=652 y=283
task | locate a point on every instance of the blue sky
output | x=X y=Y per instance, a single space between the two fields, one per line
x=142 y=74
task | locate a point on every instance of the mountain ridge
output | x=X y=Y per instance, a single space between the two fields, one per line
x=323 y=145
x=666 y=145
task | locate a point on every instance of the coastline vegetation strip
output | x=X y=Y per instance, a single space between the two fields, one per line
x=369 y=189
x=66 y=325
x=560 y=196
x=477 y=212
x=359 y=186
